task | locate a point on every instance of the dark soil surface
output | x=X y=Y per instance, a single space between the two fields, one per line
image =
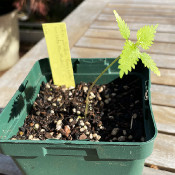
x=115 y=113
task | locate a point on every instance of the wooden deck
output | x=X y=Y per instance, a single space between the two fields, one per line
x=93 y=32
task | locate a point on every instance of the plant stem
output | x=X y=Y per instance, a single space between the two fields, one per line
x=90 y=89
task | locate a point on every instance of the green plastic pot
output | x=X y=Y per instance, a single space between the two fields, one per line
x=36 y=157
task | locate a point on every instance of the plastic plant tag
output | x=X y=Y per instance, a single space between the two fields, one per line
x=59 y=53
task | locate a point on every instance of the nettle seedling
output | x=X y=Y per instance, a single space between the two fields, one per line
x=131 y=53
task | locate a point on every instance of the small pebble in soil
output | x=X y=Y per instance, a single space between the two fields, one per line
x=100 y=89
x=125 y=87
x=114 y=139
x=98 y=137
x=42 y=130
x=78 y=112
x=59 y=99
x=107 y=101
x=92 y=96
x=102 y=127
x=59 y=125
x=50 y=98
x=115 y=89
x=21 y=133
x=124 y=132
x=111 y=117
x=74 y=110
x=81 y=122
x=59 y=136
x=137 y=101
x=47 y=85
x=134 y=116
x=91 y=136
x=130 y=137
x=54 y=104
x=82 y=137
x=52 y=111
x=48 y=135
x=71 y=120
x=114 y=131
x=85 y=89
x=85 y=127
x=87 y=132
x=36 y=126
x=37 y=112
x=58 y=112
x=67 y=130
x=113 y=94
x=87 y=123
x=71 y=88
x=121 y=139
x=30 y=137
x=142 y=139
x=82 y=129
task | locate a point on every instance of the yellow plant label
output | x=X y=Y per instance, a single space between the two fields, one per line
x=59 y=53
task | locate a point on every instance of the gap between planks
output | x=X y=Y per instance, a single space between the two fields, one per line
x=163 y=153
x=163 y=95
x=165 y=119
x=151 y=171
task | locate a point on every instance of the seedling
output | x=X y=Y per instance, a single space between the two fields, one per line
x=131 y=52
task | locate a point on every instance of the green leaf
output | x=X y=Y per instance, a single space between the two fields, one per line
x=149 y=63
x=123 y=28
x=128 y=58
x=145 y=36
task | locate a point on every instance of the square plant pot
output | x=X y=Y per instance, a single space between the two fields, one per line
x=77 y=157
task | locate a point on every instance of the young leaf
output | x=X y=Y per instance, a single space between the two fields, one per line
x=123 y=28
x=149 y=63
x=145 y=36
x=128 y=58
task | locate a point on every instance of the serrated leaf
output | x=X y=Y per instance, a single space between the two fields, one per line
x=145 y=36
x=128 y=58
x=149 y=63
x=123 y=28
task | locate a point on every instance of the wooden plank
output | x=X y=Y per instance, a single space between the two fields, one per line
x=157 y=48
x=166 y=129
x=84 y=52
x=142 y=2
x=133 y=26
x=167 y=77
x=163 y=154
x=115 y=34
x=165 y=119
x=139 y=19
x=141 y=7
x=139 y=12
x=151 y=171
x=163 y=95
